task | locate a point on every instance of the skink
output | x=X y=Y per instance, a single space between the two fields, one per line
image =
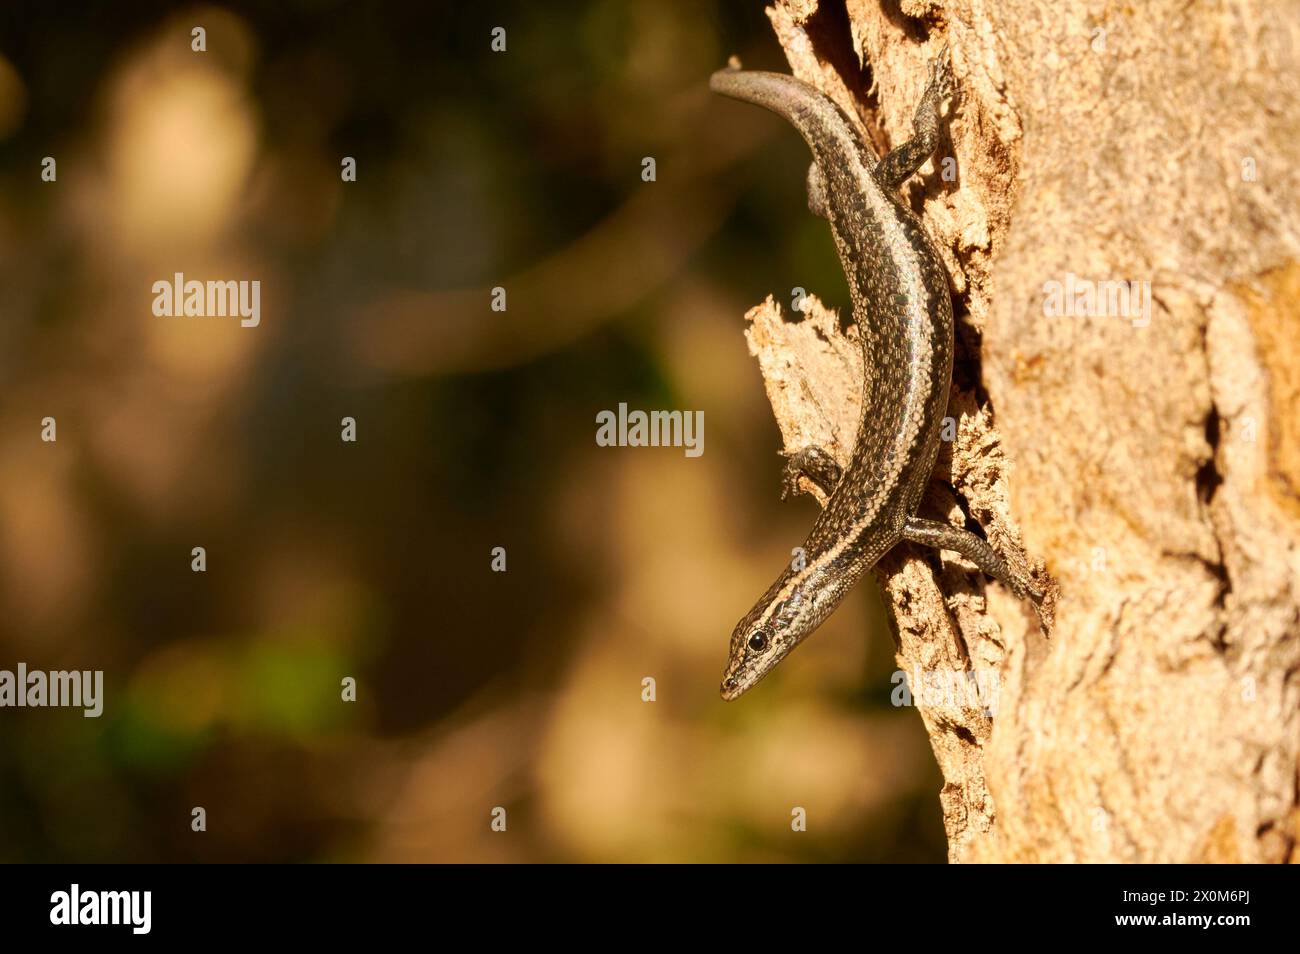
x=902 y=306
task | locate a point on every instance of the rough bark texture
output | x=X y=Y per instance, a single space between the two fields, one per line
x=1153 y=467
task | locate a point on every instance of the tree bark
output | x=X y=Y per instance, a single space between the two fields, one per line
x=1149 y=459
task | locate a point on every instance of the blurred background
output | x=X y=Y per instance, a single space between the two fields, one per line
x=475 y=429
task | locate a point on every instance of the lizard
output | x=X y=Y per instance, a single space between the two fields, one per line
x=902 y=306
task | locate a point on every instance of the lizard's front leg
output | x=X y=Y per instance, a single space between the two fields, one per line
x=902 y=161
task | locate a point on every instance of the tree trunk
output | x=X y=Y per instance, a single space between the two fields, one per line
x=1146 y=450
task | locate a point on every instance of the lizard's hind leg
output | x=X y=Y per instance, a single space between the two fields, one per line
x=814 y=463
x=897 y=167
x=935 y=533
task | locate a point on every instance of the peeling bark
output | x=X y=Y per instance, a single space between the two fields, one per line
x=1154 y=466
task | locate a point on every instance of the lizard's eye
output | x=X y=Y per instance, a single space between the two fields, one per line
x=758 y=642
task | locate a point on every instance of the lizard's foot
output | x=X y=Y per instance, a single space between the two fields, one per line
x=941 y=85
x=814 y=463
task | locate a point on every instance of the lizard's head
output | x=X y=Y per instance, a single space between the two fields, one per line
x=777 y=624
